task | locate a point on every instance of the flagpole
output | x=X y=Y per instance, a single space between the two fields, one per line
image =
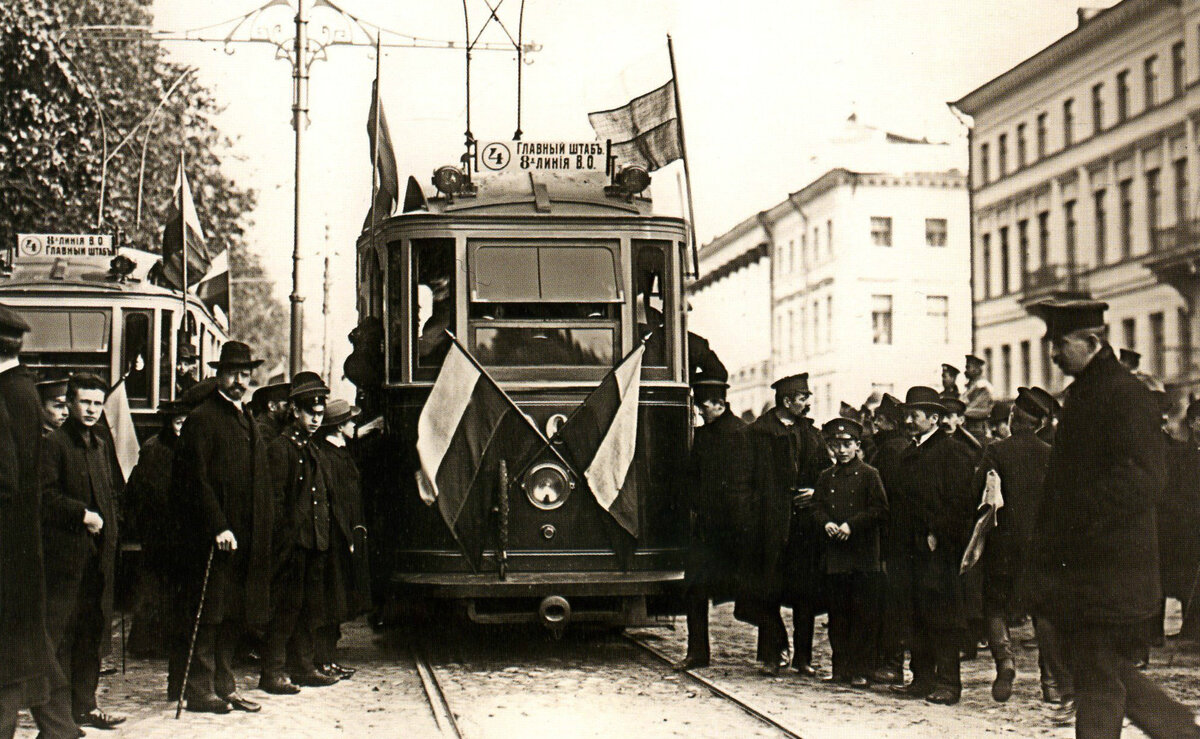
x=375 y=147
x=687 y=177
x=183 y=242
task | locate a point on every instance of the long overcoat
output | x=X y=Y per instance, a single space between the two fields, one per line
x=853 y=494
x=719 y=496
x=347 y=576
x=935 y=479
x=221 y=481
x=294 y=461
x=69 y=487
x=895 y=537
x=1095 y=552
x=27 y=661
x=147 y=502
x=781 y=558
x=1179 y=522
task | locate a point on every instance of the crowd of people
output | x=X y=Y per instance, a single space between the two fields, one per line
x=248 y=511
x=927 y=527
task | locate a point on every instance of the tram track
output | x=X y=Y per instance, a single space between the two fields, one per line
x=716 y=689
x=436 y=697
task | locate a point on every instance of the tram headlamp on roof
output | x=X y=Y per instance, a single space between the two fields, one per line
x=628 y=182
x=452 y=181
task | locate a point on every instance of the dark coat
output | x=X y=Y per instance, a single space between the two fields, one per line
x=295 y=466
x=1020 y=461
x=222 y=483
x=852 y=494
x=26 y=659
x=719 y=478
x=348 y=578
x=72 y=484
x=1095 y=553
x=935 y=479
x=147 y=501
x=1179 y=521
x=782 y=552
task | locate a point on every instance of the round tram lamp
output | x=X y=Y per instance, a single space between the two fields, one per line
x=448 y=179
x=547 y=486
x=633 y=180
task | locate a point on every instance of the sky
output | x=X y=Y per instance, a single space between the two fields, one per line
x=763 y=84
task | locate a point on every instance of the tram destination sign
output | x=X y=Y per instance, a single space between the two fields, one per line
x=541 y=156
x=42 y=246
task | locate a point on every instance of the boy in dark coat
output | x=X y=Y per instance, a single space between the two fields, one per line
x=895 y=632
x=850 y=503
x=81 y=481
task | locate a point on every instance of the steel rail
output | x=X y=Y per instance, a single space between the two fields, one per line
x=716 y=689
x=442 y=715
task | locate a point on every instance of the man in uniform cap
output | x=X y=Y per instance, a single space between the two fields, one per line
x=935 y=481
x=785 y=543
x=949 y=381
x=719 y=492
x=978 y=397
x=1094 y=562
x=29 y=673
x=53 y=394
x=223 y=503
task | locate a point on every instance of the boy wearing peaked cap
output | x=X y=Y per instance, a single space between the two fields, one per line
x=53 y=394
x=851 y=506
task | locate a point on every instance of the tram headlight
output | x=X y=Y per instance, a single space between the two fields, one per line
x=547 y=485
x=448 y=179
x=633 y=179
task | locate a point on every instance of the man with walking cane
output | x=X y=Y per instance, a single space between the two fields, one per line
x=223 y=503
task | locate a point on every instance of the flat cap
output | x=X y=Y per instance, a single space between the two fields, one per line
x=842 y=428
x=1065 y=316
x=11 y=324
x=792 y=384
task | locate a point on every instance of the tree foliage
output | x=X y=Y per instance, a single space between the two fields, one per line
x=67 y=99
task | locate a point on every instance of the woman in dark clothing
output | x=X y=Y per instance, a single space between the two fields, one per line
x=347 y=585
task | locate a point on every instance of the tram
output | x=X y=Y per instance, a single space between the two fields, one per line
x=97 y=310
x=548 y=279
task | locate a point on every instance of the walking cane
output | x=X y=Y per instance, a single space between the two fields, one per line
x=187 y=666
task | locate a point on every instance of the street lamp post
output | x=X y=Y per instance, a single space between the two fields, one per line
x=299 y=116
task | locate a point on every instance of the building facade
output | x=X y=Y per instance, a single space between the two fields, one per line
x=1083 y=175
x=860 y=279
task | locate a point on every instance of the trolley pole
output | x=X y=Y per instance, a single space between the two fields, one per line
x=299 y=115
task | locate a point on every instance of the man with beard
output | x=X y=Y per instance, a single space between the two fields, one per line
x=781 y=560
x=53 y=394
x=1094 y=569
x=29 y=674
x=719 y=490
x=224 y=513
x=82 y=482
x=935 y=481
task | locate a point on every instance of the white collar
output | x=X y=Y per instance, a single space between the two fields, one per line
x=337 y=440
x=7 y=364
x=236 y=403
x=925 y=437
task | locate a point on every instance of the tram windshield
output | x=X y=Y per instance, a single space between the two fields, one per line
x=74 y=338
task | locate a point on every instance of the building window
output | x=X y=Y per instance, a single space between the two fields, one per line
x=791 y=335
x=1022 y=251
x=1069 y=231
x=1002 y=155
x=779 y=333
x=987 y=358
x=816 y=333
x=1068 y=122
x=1043 y=238
x=1158 y=346
x=1178 y=70
x=1026 y=364
x=816 y=244
x=937 y=309
x=804 y=248
x=986 y=249
x=1101 y=225
x=1006 y=369
x=1125 y=192
x=1129 y=333
x=1153 y=201
x=935 y=231
x=1150 y=79
x=1041 y=135
x=1005 y=282
x=1122 y=95
x=1181 y=191
x=984 y=167
x=1020 y=145
x=828 y=321
x=1097 y=108
x=829 y=236
x=881 y=319
x=881 y=231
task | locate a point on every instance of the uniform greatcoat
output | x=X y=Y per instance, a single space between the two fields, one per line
x=719 y=497
x=853 y=494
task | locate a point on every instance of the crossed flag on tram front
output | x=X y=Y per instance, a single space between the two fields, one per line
x=469 y=424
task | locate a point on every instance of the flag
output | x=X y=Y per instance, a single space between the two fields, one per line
x=213 y=288
x=120 y=422
x=645 y=131
x=467 y=426
x=385 y=191
x=601 y=436
x=183 y=234
x=992 y=502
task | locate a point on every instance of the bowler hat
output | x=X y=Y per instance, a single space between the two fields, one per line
x=272 y=393
x=1065 y=316
x=307 y=385
x=338 y=411
x=954 y=405
x=792 y=384
x=842 y=428
x=48 y=389
x=923 y=398
x=11 y=324
x=235 y=355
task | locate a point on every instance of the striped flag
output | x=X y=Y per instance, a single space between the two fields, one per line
x=467 y=425
x=645 y=131
x=183 y=235
x=601 y=437
x=120 y=422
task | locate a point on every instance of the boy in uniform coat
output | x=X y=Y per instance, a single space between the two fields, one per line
x=81 y=481
x=850 y=504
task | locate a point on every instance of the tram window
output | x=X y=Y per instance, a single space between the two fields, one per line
x=525 y=346
x=166 y=372
x=432 y=307
x=55 y=330
x=575 y=274
x=135 y=341
x=650 y=276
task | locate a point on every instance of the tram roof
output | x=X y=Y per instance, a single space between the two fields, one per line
x=531 y=193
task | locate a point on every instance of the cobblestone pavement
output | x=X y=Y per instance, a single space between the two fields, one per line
x=520 y=681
